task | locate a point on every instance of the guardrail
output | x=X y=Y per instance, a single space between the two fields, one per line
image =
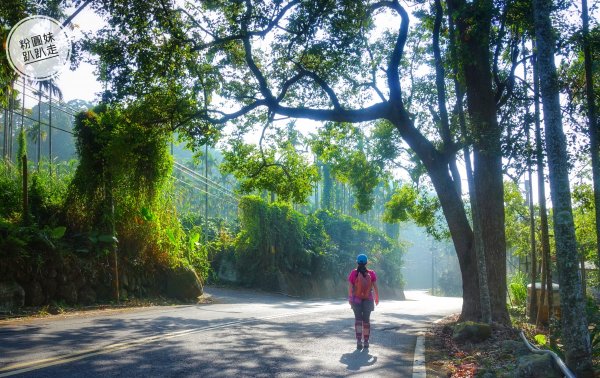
x=559 y=362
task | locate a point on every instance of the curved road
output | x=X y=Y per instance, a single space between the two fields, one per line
x=242 y=334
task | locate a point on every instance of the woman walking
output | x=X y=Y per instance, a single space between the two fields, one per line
x=363 y=282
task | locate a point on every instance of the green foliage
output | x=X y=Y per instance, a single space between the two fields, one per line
x=10 y=191
x=20 y=242
x=22 y=150
x=401 y=205
x=408 y=202
x=11 y=12
x=275 y=238
x=125 y=165
x=26 y=248
x=516 y=214
x=584 y=218
x=327 y=194
x=518 y=288
x=272 y=238
x=116 y=152
x=197 y=253
x=349 y=237
x=541 y=340
x=593 y=315
x=364 y=177
x=47 y=192
x=280 y=169
x=341 y=147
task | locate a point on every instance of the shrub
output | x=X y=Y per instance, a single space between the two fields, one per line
x=10 y=190
x=518 y=288
x=275 y=238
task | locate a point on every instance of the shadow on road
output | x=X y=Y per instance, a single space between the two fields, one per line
x=357 y=359
x=290 y=346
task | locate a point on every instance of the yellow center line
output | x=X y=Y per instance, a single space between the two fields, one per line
x=24 y=367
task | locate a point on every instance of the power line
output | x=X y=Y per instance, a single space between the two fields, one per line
x=33 y=89
x=200 y=177
x=220 y=191
x=53 y=106
x=203 y=191
x=183 y=167
x=40 y=122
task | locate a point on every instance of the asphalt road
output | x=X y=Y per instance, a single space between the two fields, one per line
x=242 y=334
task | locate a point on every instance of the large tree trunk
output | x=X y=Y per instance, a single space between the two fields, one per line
x=484 y=292
x=541 y=184
x=452 y=207
x=484 y=289
x=533 y=301
x=481 y=106
x=463 y=239
x=440 y=76
x=593 y=122
x=575 y=335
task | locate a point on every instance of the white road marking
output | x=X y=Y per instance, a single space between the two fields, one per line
x=419 y=370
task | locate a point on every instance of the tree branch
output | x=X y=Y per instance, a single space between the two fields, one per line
x=319 y=80
x=262 y=81
x=371 y=113
x=245 y=34
x=287 y=85
x=225 y=117
x=501 y=34
x=392 y=71
x=508 y=84
x=373 y=83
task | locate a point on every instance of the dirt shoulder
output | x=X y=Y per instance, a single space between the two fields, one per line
x=446 y=358
x=57 y=311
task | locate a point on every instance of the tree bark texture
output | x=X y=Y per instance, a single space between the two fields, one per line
x=533 y=304
x=473 y=22
x=453 y=209
x=440 y=75
x=575 y=334
x=541 y=184
x=592 y=120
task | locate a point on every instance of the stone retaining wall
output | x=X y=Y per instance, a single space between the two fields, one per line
x=72 y=280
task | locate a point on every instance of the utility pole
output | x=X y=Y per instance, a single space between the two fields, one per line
x=50 y=132
x=205 y=233
x=39 y=128
x=5 y=131
x=432 y=269
x=23 y=110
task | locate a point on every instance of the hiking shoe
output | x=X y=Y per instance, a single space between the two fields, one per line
x=359 y=345
x=366 y=345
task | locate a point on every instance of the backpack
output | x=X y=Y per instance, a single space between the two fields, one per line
x=362 y=285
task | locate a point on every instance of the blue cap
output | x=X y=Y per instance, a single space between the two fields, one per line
x=361 y=259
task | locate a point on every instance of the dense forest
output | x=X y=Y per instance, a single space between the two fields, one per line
x=267 y=143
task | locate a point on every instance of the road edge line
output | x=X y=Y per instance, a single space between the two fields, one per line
x=419 y=369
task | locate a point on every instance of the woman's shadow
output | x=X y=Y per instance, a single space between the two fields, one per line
x=357 y=359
